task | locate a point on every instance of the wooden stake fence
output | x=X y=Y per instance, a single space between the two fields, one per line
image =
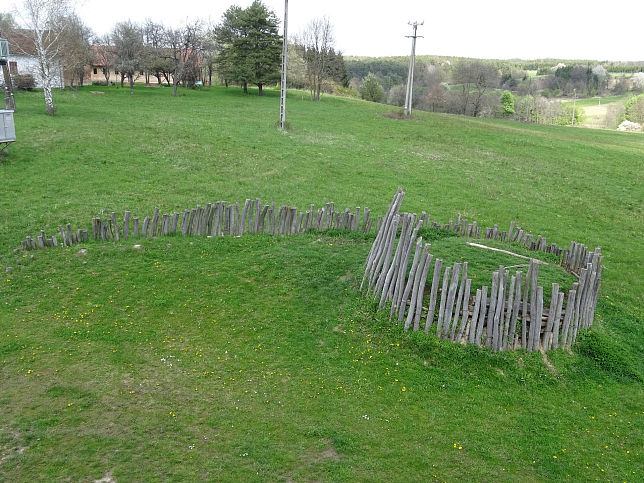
x=215 y=219
x=512 y=316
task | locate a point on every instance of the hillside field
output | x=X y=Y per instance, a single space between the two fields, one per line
x=257 y=358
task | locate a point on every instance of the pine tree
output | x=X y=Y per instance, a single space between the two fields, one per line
x=249 y=46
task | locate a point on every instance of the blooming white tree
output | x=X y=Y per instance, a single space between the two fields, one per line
x=638 y=80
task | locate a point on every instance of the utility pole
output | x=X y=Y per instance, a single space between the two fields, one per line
x=283 y=81
x=412 y=64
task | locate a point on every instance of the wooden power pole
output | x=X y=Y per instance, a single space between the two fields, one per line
x=412 y=64
x=283 y=81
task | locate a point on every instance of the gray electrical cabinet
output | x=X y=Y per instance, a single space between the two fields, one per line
x=7 y=127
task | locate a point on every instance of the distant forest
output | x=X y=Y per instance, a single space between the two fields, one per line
x=526 y=90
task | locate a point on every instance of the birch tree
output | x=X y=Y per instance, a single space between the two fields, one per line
x=44 y=27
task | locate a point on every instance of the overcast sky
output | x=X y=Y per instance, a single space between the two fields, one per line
x=501 y=29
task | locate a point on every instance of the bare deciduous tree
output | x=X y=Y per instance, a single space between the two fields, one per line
x=105 y=56
x=185 y=44
x=128 y=48
x=475 y=77
x=76 y=52
x=317 y=43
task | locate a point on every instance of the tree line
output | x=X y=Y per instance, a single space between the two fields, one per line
x=243 y=48
x=488 y=88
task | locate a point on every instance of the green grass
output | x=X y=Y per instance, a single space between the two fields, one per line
x=256 y=358
x=593 y=101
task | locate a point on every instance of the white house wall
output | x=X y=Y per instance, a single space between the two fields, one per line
x=29 y=65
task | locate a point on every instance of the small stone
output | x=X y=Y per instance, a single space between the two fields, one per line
x=191 y=244
x=18 y=261
x=9 y=269
x=169 y=245
x=82 y=251
x=137 y=247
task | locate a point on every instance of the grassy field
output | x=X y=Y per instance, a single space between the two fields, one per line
x=257 y=358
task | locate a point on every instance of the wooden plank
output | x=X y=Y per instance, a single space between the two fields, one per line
x=459 y=302
x=399 y=268
x=505 y=340
x=366 y=220
x=175 y=221
x=444 y=296
x=386 y=278
x=415 y=278
x=547 y=335
x=126 y=225
x=385 y=253
x=482 y=316
x=489 y=333
x=449 y=307
x=62 y=236
x=68 y=233
x=378 y=244
x=516 y=307
x=538 y=318
x=244 y=214
x=534 y=275
x=385 y=247
x=262 y=219
x=497 y=332
x=432 y=297
x=568 y=315
x=135 y=226
x=471 y=331
x=421 y=289
x=407 y=242
x=184 y=222
x=166 y=224
x=485 y=247
x=466 y=300
x=155 y=223
x=554 y=342
x=294 y=220
x=146 y=223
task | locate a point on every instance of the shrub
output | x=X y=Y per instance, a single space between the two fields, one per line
x=23 y=82
x=635 y=109
x=347 y=92
x=606 y=353
x=371 y=90
x=507 y=103
x=99 y=83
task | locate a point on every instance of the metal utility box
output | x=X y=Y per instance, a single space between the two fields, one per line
x=7 y=128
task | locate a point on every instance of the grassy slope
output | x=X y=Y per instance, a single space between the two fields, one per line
x=85 y=386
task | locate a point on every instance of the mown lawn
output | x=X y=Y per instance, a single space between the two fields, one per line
x=256 y=357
